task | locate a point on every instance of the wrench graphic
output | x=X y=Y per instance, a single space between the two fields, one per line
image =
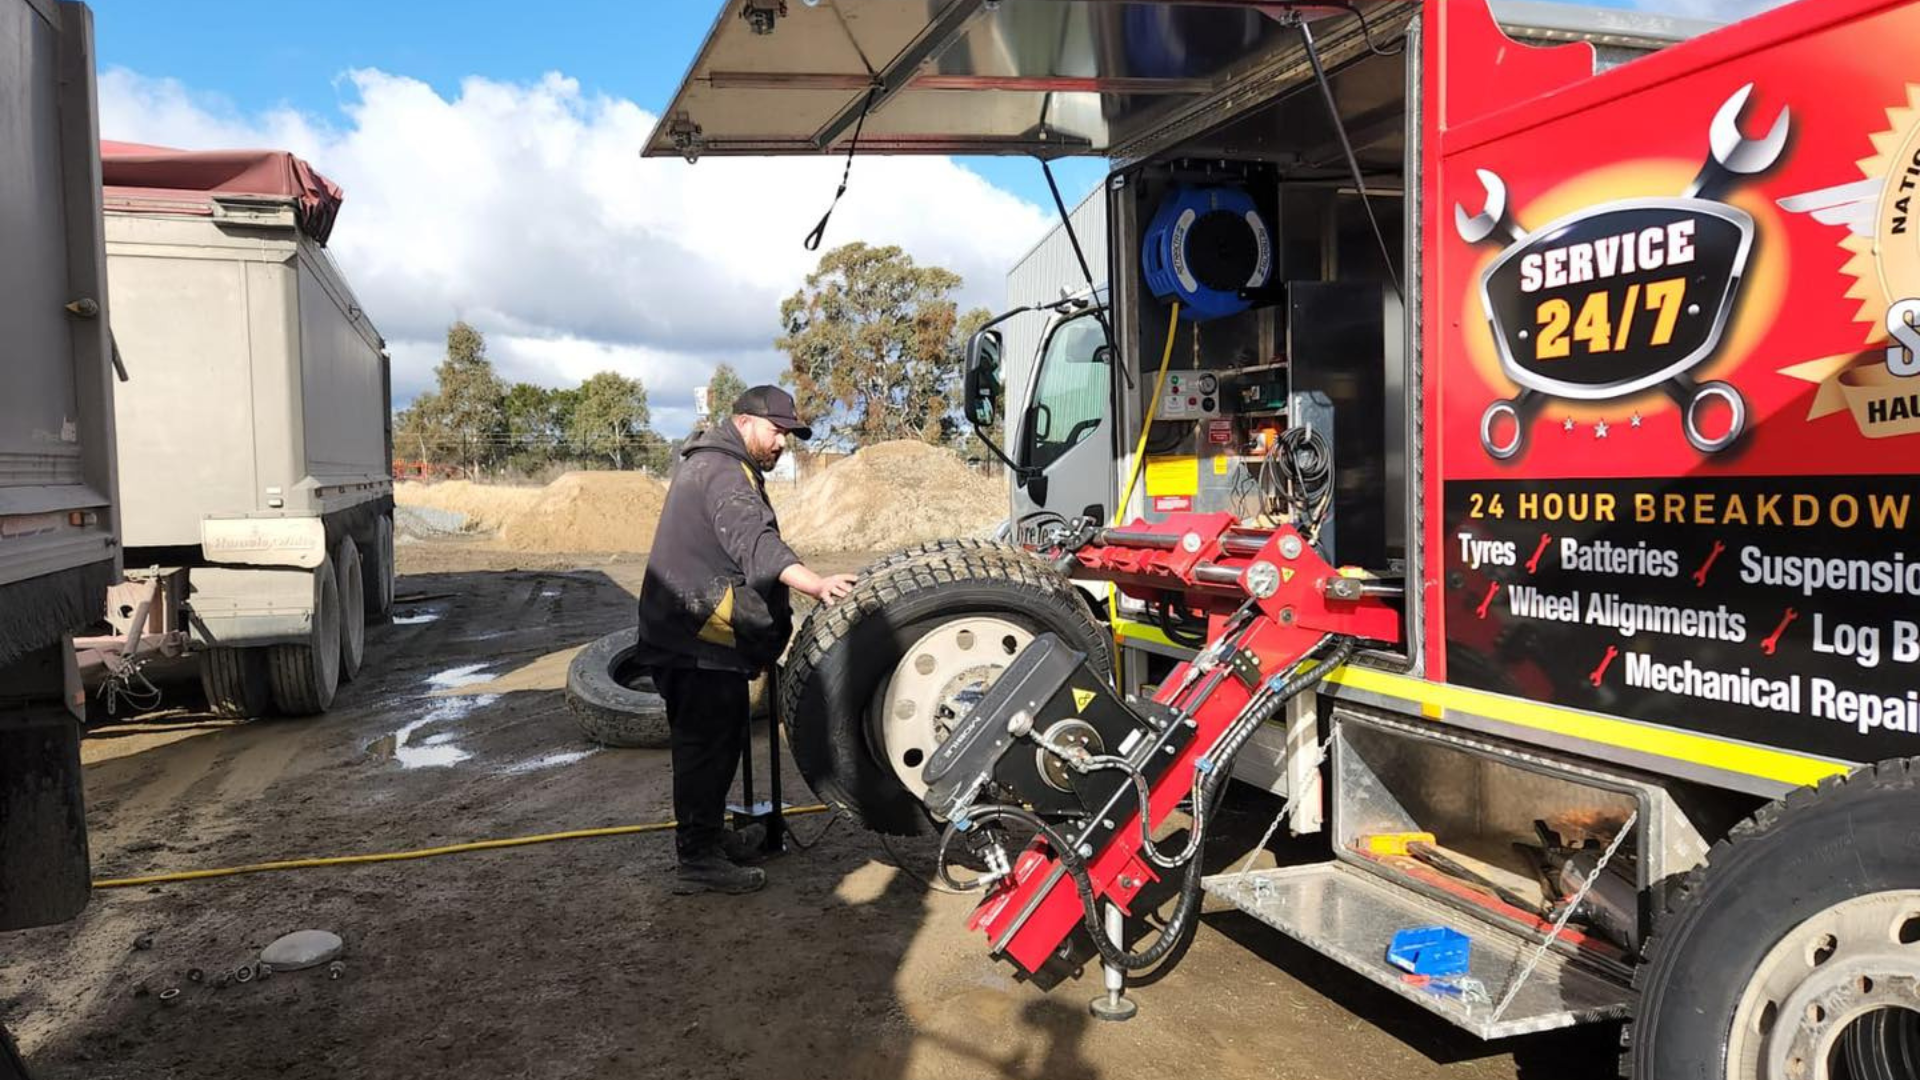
x=1495 y=219
x=1772 y=641
x=1700 y=575
x=1533 y=564
x=1733 y=155
x=1492 y=588
x=1599 y=675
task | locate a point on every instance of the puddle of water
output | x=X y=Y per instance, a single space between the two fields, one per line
x=438 y=749
x=416 y=619
x=548 y=594
x=567 y=757
x=464 y=675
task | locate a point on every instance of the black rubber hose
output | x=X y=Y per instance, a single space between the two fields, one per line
x=1212 y=788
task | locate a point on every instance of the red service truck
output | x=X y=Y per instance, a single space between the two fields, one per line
x=1517 y=453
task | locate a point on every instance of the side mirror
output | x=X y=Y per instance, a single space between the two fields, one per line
x=982 y=385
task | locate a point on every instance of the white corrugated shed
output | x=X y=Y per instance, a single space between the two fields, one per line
x=1038 y=278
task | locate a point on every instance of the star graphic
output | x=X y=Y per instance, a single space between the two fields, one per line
x=1636 y=419
x=1568 y=426
x=1600 y=430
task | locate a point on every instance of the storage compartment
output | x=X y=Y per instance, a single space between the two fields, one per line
x=1508 y=836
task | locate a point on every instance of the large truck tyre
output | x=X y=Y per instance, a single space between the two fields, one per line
x=613 y=703
x=1794 y=951
x=306 y=675
x=349 y=585
x=376 y=570
x=236 y=682
x=875 y=682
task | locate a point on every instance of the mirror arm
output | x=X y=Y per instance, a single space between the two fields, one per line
x=1021 y=473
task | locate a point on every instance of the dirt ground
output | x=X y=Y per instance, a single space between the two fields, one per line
x=572 y=959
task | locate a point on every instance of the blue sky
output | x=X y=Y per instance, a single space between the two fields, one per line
x=489 y=153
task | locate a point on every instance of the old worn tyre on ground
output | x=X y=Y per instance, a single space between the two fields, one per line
x=376 y=570
x=615 y=704
x=236 y=682
x=353 y=608
x=306 y=675
x=1794 y=951
x=875 y=682
x=618 y=706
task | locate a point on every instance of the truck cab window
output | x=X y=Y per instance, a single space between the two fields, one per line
x=1070 y=399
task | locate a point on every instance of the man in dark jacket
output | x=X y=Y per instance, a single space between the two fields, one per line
x=713 y=613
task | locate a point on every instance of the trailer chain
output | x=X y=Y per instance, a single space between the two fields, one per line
x=1287 y=808
x=1560 y=924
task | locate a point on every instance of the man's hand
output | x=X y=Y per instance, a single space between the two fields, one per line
x=825 y=589
x=835 y=586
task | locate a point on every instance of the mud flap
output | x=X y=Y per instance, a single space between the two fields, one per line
x=44 y=871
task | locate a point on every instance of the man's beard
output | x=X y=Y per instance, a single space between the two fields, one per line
x=767 y=459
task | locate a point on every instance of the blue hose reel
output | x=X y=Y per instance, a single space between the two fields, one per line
x=1204 y=246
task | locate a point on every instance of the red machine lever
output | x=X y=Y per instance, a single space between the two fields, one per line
x=1213 y=566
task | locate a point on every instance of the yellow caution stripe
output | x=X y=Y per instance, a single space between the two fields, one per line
x=1435 y=699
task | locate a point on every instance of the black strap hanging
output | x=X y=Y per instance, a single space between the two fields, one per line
x=820 y=231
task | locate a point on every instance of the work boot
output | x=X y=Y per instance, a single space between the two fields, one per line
x=744 y=847
x=713 y=873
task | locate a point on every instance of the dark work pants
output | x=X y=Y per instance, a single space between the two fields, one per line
x=707 y=714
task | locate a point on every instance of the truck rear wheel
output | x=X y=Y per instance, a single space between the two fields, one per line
x=376 y=571
x=353 y=607
x=306 y=675
x=236 y=682
x=1794 y=951
x=874 y=682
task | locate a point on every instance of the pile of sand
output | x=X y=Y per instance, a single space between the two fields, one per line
x=578 y=511
x=892 y=495
x=588 y=511
x=485 y=507
x=886 y=497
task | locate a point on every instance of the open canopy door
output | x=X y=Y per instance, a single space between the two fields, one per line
x=1049 y=78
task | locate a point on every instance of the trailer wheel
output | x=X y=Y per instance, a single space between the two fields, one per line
x=614 y=704
x=305 y=675
x=874 y=682
x=376 y=571
x=236 y=682
x=348 y=582
x=1794 y=951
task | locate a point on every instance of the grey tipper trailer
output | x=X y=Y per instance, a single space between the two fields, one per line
x=58 y=533
x=255 y=458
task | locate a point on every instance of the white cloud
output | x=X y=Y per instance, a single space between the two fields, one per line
x=526 y=210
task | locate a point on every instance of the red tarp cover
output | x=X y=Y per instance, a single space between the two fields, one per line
x=157 y=178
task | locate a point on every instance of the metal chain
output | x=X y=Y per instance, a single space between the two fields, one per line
x=1560 y=924
x=1286 y=808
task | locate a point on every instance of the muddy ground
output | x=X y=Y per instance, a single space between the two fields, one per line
x=572 y=959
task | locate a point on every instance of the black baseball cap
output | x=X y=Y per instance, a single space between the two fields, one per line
x=774 y=404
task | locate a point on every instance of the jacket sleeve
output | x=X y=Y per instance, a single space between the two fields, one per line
x=745 y=525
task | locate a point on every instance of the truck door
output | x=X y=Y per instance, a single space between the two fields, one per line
x=1064 y=437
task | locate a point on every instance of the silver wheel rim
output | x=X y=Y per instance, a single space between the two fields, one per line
x=935 y=685
x=1854 y=958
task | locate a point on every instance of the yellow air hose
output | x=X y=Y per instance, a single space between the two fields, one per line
x=399 y=856
x=1133 y=478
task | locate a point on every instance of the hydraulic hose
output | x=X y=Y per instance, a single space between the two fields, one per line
x=1211 y=788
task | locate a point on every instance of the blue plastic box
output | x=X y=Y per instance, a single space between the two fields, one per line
x=1430 y=950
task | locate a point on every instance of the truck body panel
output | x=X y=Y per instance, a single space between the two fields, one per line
x=1721 y=488
x=59 y=549
x=274 y=324
x=57 y=525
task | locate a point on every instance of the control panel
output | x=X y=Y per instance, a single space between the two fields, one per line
x=1190 y=395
